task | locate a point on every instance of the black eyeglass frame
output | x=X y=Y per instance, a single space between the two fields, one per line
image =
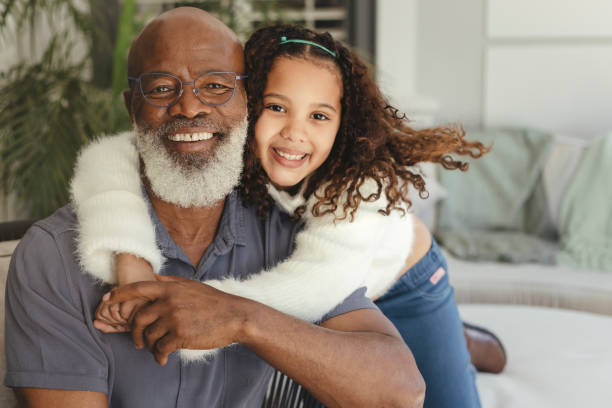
x=196 y=91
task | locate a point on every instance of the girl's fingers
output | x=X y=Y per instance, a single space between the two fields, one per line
x=149 y=291
x=115 y=311
x=109 y=328
x=103 y=313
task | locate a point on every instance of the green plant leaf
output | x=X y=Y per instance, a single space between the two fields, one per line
x=47 y=113
x=125 y=34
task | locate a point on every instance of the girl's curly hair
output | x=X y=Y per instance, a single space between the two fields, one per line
x=373 y=141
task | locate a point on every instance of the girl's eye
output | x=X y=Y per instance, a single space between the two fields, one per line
x=319 y=116
x=276 y=108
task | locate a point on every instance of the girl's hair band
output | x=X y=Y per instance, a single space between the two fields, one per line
x=284 y=40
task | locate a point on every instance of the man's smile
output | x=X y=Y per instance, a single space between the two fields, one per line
x=186 y=140
x=190 y=137
x=199 y=146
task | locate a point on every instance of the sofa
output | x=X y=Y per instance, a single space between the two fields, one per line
x=554 y=315
x=484 y=272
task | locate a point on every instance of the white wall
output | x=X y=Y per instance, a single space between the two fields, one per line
x=396 y=61
x=564 y=88
x=531 y=19
x=548 y=64
x=429 y=56
x=396 y=44
x=449 y=57
x=539 y=63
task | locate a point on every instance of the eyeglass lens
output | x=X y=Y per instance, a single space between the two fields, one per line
x=164 y=90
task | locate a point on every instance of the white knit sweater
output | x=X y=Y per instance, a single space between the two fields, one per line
x=330 y=261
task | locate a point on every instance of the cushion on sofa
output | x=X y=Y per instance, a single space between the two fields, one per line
x=500 y=198
x=559 y=172
x=586 y=213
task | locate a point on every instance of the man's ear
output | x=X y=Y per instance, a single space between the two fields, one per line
x=127 y=99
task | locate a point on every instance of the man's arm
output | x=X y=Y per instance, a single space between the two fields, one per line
x=48 y=398
x=355 y=359
x=51 y=355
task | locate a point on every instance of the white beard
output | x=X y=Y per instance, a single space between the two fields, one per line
x=193 y=183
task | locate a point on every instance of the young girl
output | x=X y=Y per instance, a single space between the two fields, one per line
x=325 y=146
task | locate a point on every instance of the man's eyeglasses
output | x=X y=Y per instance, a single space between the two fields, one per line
x=164 y=90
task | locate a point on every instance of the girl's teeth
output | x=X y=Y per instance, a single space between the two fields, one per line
x=290 y=156
x=190 y=137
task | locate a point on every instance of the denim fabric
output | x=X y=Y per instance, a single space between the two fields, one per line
x=422 y=306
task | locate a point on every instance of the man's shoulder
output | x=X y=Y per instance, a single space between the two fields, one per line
x=61 y=222
x=53 y=234
x=45 y=266
x=50 y=338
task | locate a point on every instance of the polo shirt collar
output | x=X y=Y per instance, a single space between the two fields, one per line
x=231 y=230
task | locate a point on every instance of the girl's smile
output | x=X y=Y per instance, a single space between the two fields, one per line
x=288 y=157
x=300 y=119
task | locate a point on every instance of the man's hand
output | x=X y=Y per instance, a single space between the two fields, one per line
x=52 y=398
x=181 y=313
x=330 y=360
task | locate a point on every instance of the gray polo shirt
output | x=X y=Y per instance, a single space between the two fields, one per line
x=51 y=341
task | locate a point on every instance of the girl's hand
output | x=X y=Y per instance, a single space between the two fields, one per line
x=114 y=318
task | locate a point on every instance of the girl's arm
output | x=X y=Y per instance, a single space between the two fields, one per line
x=330 y=261
x=113 y=214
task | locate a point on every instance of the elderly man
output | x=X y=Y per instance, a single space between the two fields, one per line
x=57 y=358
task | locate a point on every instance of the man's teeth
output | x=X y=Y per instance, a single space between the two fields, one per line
x=290 y=156
x=190 y=137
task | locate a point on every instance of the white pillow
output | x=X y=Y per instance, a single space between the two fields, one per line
x=559 y=171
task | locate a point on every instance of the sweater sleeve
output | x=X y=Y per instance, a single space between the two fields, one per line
x=113 y=214
x=331 y=260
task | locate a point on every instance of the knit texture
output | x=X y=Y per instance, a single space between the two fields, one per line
x=113 y=216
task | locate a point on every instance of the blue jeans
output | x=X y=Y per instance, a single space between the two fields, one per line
x=421 y=304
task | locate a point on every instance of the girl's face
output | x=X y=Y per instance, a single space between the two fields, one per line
x=300 y=118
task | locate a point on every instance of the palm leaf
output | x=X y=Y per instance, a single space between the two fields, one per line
x=47 y=113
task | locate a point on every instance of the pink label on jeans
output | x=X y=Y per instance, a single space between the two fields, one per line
x=435 y=278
